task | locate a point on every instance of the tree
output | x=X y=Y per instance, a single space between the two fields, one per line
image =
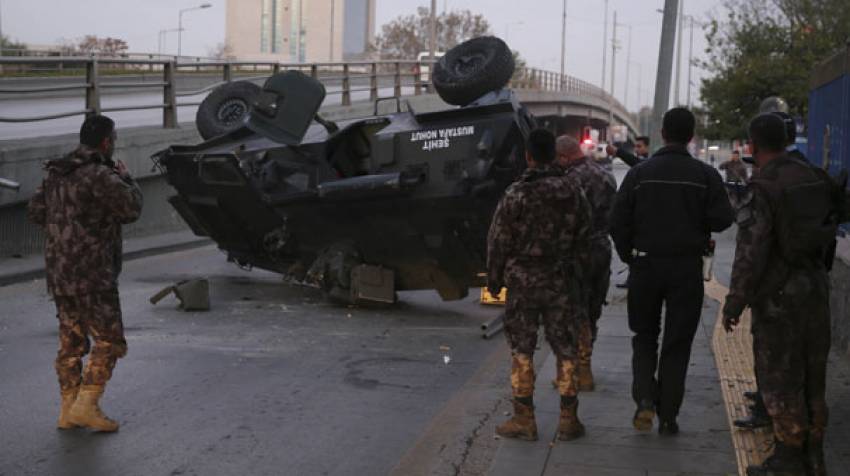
x=764 y=48
x=222 y=51
x=92 y=45
x=9 y=47
x=408 y=35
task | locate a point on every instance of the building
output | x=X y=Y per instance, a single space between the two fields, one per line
x=299 y=31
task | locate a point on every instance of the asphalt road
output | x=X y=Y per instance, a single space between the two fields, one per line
x=33 y=107
x=272 y=381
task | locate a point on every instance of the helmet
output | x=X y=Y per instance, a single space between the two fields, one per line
x=773 y=104
x=790 y=126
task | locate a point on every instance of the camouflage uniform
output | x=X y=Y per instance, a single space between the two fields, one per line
x=82 y=204
x=539 y=235
x=780 y=272
x=600 y=188
x=736 y=171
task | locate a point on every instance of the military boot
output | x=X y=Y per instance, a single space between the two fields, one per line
x=569 y=426
x=785 y=461
x=644 y=416
x=585 y=378
x=69 y=396
x=522 y=425
x=815 y=465
x=759 y=418
x=87 y=413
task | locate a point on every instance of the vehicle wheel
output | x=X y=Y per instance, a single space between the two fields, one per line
x=473 y=69
x=225 y=109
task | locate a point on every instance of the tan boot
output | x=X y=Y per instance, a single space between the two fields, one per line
x=569 y=426
x=522 y=425
x=69 y=396
x=585 y=378
x=86 y=412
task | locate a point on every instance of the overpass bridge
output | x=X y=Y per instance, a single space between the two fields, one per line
x=43 y=96
x=43 y=101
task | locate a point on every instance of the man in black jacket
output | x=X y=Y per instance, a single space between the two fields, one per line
x=641 y=152
x=662 y=221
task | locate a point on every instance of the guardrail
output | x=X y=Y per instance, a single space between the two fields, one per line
x=347 y=78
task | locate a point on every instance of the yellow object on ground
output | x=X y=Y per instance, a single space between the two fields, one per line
x=733 y=354
x=487 y=298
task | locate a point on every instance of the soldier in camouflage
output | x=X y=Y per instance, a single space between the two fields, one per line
x=81 y=204
x=539 y=236
x=600 y=188
x=786 y=227
x=736 y=171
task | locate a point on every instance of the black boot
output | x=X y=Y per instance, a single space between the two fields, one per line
x=785 y=461
x=759 y=418
x=668 y=427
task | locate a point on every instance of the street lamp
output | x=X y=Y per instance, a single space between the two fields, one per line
x=180 y=26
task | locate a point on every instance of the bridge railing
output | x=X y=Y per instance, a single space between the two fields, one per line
x=100 y=74
x=94 y=76
x=538 y=79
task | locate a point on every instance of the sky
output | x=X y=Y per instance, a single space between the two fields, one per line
x=532 y=27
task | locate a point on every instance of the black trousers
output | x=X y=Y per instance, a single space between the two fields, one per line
x=675 y=284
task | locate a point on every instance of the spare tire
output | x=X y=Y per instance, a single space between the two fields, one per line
x=226 y=108
x=473 y=69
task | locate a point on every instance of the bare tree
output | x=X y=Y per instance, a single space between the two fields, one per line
x=92 y=45
x=222 y=51
x=408 y=35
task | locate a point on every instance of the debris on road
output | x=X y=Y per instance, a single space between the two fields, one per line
x=193 y=294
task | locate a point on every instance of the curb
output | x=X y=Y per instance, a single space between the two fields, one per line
x=39 y=272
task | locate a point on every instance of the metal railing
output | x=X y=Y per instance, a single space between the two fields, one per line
x=538 y=79
x=343 y=79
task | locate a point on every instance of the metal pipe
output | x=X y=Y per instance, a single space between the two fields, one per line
x=9 y=184
x=494 y=329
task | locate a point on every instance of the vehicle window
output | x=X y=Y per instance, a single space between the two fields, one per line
x=219 y=171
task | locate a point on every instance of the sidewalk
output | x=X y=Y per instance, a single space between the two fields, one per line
x=14 y=270
x=612 y=446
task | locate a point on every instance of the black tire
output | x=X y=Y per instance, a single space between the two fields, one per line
x=473 y=69
x=225 y=109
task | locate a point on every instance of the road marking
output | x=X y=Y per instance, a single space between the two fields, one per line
x=733 y=354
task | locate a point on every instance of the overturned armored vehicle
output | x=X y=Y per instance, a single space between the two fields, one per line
x=363 y=207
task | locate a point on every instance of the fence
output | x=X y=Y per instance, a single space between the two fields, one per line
x=346 y=78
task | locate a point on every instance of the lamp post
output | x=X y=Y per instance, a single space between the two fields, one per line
x=180 y=26
x=432 y=32
x=604 y=45
x=628 y=62
x=563 y=45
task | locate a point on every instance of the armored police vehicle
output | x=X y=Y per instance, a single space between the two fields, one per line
x=363 y=207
